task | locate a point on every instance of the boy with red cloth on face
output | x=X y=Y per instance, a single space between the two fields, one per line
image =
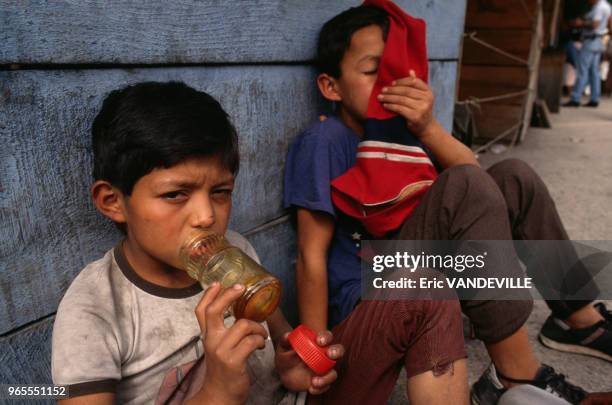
x=134 y=327
x=342 y=179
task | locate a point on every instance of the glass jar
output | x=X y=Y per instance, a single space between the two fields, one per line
x=209 y=257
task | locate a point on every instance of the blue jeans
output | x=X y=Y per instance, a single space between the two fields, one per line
x=571 y=53
x=588 y=70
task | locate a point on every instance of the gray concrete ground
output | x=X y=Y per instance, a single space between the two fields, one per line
x=574 y=158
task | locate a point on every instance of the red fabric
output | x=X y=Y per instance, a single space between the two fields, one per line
x=384 y=186
x=392 y=171
x=405 y=50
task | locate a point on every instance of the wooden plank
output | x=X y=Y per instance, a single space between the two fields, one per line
x=500 y=14
x=493 y=119
x=26 y=356
x=514 y=42
x=49 y=228
x=491 y=81
x=534 y=65
x=190 y=31
x=552 y=21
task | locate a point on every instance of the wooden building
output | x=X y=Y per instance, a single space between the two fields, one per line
x=499 y=67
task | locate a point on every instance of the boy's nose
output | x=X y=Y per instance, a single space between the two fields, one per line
x=203 y=214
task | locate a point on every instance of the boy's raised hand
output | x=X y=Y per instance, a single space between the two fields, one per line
x=411 y=98
x=226 y=349
x=295 y=374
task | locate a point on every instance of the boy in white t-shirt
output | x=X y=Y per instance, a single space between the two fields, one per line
x=165 y=158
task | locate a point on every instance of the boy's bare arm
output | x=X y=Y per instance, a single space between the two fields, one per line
x=278 y=326
x=314 y=235
x=445 y=147
x=413 y=99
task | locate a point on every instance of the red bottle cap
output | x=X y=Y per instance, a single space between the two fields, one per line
x=304 y=342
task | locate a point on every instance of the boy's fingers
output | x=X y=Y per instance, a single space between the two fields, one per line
x=214 y=312
x=409 y=113
x=247 y=346
x=322 y=381
x=283 y=343
x=335 y=352
x=412 y=82
x=404 y=91
x=324 y=338
x=242 y=329
x=402 y=100
x=207 y=298
x=409 y=109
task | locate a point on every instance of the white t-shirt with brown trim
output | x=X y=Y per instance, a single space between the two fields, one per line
x=116 y=332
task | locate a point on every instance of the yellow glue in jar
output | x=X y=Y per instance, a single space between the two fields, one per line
x=209 y=257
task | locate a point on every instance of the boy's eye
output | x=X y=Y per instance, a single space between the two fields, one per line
x=174 y=195
x=222 y=194
x=371 y=72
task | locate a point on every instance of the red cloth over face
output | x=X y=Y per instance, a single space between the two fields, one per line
x=393 y=169
x=405 y=50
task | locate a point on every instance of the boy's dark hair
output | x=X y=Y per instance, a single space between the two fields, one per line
x=335 y=36
x=157 y=125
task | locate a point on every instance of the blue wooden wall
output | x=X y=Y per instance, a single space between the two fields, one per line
x=57 y=62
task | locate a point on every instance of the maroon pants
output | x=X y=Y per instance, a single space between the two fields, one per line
x=381 y=337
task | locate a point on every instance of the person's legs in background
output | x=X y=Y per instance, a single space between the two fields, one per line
x=585 y=59
x=594 y=80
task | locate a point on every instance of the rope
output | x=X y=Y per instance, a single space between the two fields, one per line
x=477 y=101
x=473 y=103
x=500 y=136
x=472 y=36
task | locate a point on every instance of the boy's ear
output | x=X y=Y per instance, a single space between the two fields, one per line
x=109 y=201
x=328 y=87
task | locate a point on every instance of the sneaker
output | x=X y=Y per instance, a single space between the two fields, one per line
x=571 y=103
x=488 y=389
x=605 y=312
x=591 y=104
x=593 y=341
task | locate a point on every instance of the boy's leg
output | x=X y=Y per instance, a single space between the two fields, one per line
x=449 y=388
x=464 y=203
x=424 y=336
x=533 y=216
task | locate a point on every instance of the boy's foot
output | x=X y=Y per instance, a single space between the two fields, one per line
x=591 y=104
x=593 y=341
x=571 y=103
x=488 y=388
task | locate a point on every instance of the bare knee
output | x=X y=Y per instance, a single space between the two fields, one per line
x=450 y=387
